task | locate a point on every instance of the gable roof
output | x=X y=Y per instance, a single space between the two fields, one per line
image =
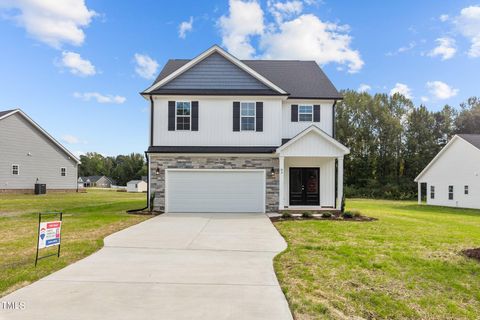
x=320 y=132
x=5 y=114
x=299 y=79
x=473 y=139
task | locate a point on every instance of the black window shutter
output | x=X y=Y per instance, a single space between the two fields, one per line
x=171 y=115
x=236 y=116
x=194 y=115
x=316 y=113
x=259 y=116
x=294 y=112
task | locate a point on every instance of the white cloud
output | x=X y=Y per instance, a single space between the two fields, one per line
x=100 y=98
x=446 y=48
x=68 y=138
x=79 y=153
x=468 y=23
x=245 y=20
x=364 y=87
x=402 y=89
x=444 y=17
x=303 y=36
x=77 y=65
x=282 y=10
x=51 y=21
x=146 y=67
x=424 y=99
x=403 y=49
x=440 y=90
x=184 y=27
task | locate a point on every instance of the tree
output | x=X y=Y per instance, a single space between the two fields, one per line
x=468 y=120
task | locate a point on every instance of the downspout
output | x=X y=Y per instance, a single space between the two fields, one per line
x=333 y=119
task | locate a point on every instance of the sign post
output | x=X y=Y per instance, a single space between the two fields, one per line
x=49 y=234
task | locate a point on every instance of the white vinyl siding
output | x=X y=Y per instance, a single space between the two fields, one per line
x=215 y=190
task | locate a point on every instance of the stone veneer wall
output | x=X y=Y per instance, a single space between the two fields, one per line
x=212 y=162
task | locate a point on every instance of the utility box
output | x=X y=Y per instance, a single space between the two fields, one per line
x=40 y=188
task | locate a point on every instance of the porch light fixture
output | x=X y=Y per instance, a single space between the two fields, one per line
x=272 y=172
x=157 y=171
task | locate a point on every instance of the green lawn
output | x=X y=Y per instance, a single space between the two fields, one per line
x=87 y=219
x=406 y=265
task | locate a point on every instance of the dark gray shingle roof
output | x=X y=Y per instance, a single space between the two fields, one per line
x=2 y=113
x=301 y=79
x=474 y=139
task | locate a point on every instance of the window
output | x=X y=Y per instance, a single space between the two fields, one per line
x=15 y=169
x=183 y=115
x=63 y=172
x=432 y=192
x=450 y=192
x=466 y=190
x=305 y=113
x=247 y=116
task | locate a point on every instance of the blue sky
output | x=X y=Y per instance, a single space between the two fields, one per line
x=76 y=66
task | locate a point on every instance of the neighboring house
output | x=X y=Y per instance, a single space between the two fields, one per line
x=28 y=154
x=136 y=186
x=229 y=135
x=96 y=181
x=452 y=178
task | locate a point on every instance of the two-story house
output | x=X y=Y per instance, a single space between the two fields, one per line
x=230 y=135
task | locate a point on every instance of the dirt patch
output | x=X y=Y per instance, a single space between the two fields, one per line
x=472 y=253
x=319 y=217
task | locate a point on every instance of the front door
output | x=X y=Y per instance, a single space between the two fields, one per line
x=304 y=186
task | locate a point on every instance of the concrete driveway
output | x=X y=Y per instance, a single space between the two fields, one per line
x=174 y=266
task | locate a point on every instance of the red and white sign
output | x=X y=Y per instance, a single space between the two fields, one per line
x=49 y=234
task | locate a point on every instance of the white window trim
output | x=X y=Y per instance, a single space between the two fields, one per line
x=177 y=116
x=63 y=168
x=18 y=169
x=254 y=116
x=305 y=105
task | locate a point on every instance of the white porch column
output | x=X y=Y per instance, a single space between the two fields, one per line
x=419 y=192
x=281 y=184
x=339 y=182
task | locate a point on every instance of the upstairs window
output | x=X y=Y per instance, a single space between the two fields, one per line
x=466 y=190
x=183 y=115
x=432 y=192
x=15 y=169
x=305 y=113
x=450 y=192
x=63 y=172
x=247 y=116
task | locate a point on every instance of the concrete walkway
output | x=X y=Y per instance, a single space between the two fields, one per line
x=175 y=266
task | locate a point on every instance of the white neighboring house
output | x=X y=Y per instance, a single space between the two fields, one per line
x=453 y=176
x=230 y=135
x=29 y=154
x=137 y=186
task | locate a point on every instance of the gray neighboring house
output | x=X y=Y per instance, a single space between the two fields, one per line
x=28 y=154
x=96 y=181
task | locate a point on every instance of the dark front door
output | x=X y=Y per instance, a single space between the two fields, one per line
x=304 y=186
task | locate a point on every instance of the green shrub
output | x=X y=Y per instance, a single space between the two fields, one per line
x=356 y=213
x=307 y=214
x=286 y=214
x=347 y=215
x=327 y=214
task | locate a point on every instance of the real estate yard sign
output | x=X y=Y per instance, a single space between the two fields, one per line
x=49 y=234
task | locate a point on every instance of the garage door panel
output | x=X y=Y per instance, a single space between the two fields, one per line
x=215 y=191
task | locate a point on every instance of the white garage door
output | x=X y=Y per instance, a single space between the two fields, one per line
x=215 y=191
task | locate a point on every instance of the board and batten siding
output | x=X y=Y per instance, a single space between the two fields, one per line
x=458 y=166
x=215 y=115
x=291 y=129
x=215 y=72
x=327 y=177
x=35 y=154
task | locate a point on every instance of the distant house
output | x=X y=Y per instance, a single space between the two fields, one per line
x=452 y=178
x=137 y=186
x=28 y=154
x=96 y=181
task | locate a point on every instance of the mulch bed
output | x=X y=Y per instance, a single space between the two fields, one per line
x=472 y=253
x=335 y=217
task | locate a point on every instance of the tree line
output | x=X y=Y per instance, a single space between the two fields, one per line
x=122 y=168
x=391 y=140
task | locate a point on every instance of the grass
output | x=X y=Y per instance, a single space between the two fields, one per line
x=87 y=219
x=406 y=265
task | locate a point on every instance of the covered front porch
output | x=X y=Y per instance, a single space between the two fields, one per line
x=311 y=172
